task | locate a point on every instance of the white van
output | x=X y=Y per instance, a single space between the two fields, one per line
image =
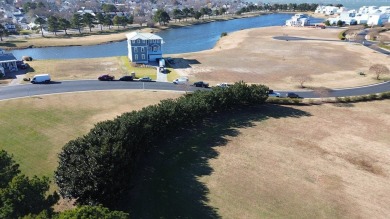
x=182 y=80
x=42 y=78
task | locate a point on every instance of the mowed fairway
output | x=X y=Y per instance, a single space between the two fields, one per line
x=35 y=129
x=327 y=161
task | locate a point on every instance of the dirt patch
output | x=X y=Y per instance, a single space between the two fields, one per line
x=254 y=56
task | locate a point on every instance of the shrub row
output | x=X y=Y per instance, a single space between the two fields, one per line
x=348 y=99
x=362 y=98
x=97 y=168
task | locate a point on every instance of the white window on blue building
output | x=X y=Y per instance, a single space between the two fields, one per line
x=143 y=56
x=135 y=49
x=136 y=57
x=142 y=49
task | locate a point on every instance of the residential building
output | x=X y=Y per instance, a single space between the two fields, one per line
x=7 y=62
x=144 y=47
x=298 y=20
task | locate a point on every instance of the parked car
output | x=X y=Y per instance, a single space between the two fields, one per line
x=223 y=85
x=145 y=79
x=182 y=80
x=293 y=95
x=126 y=78
x=22 y=65
x=106 y=78
x=271 y=93
x=201 y=84
x=42 y=78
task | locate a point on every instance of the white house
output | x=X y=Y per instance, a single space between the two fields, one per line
x=298 y=20
x=144 y=47
x=7 y=62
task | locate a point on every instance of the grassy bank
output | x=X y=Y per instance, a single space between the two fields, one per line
x=35 y=129
x=74 y=69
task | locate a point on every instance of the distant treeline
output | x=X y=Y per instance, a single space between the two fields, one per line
x=279 y=7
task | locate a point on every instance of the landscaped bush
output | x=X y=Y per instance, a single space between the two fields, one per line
x=97 y=168
x=27 y=58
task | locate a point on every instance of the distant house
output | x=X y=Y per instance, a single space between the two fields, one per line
x=298 y=20
x=7 y=62
x=144 y=47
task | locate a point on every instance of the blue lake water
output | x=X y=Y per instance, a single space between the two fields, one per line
x=177 y=40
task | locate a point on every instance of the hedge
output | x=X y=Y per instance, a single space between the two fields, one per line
x=97 y=168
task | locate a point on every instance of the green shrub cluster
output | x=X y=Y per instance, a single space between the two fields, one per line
x=284 y=101
x=97 y=168
x=342 y=35
x=362 y=98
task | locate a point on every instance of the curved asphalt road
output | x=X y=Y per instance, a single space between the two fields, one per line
x=17 y=91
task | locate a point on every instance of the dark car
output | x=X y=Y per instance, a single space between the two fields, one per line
x=106 y=78
x=292 y=95
x=126 y=78
x=201 y=84
x=22 y=65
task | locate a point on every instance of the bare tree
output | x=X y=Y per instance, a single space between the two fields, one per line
x=322 y=92
x=301 y=79
x=379 y=69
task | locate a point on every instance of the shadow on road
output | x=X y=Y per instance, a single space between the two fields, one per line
x=166 y=183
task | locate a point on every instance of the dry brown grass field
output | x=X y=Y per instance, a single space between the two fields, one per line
x=326 y=161
x=254 y=56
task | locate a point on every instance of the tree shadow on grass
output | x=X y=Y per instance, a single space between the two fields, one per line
x=166 y=182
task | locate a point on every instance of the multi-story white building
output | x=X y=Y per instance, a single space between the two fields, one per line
x=298 y=20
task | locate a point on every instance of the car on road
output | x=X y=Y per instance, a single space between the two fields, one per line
x=272 y=93
x=145 y=79
x=126 y=78
x=293 y=95
x=201 y=84
x=106 y=77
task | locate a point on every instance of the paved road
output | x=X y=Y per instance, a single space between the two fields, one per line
x=8 y=92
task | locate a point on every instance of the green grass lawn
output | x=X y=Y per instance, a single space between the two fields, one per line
x=34 y=135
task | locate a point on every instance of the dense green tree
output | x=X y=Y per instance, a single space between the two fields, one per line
x=162 y=17
x=88 y=20
x=20 y=195
x=2 y=32
x=8 y=169
x=108 y=21
x=100 y=20
x=109 y=8
x=77 y=21
x=339 y=23
x=117 y=20
x=178 y=14
x=197 y=15
x=53 y=24
x=64 y=24
x=92 y=212
x=40 y=21
x=186 y=12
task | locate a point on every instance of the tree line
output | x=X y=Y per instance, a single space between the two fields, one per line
x=78 y=21
x=97 y=168
x=279 y=7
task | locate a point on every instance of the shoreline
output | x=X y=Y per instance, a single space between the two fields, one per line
x=99 y=38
